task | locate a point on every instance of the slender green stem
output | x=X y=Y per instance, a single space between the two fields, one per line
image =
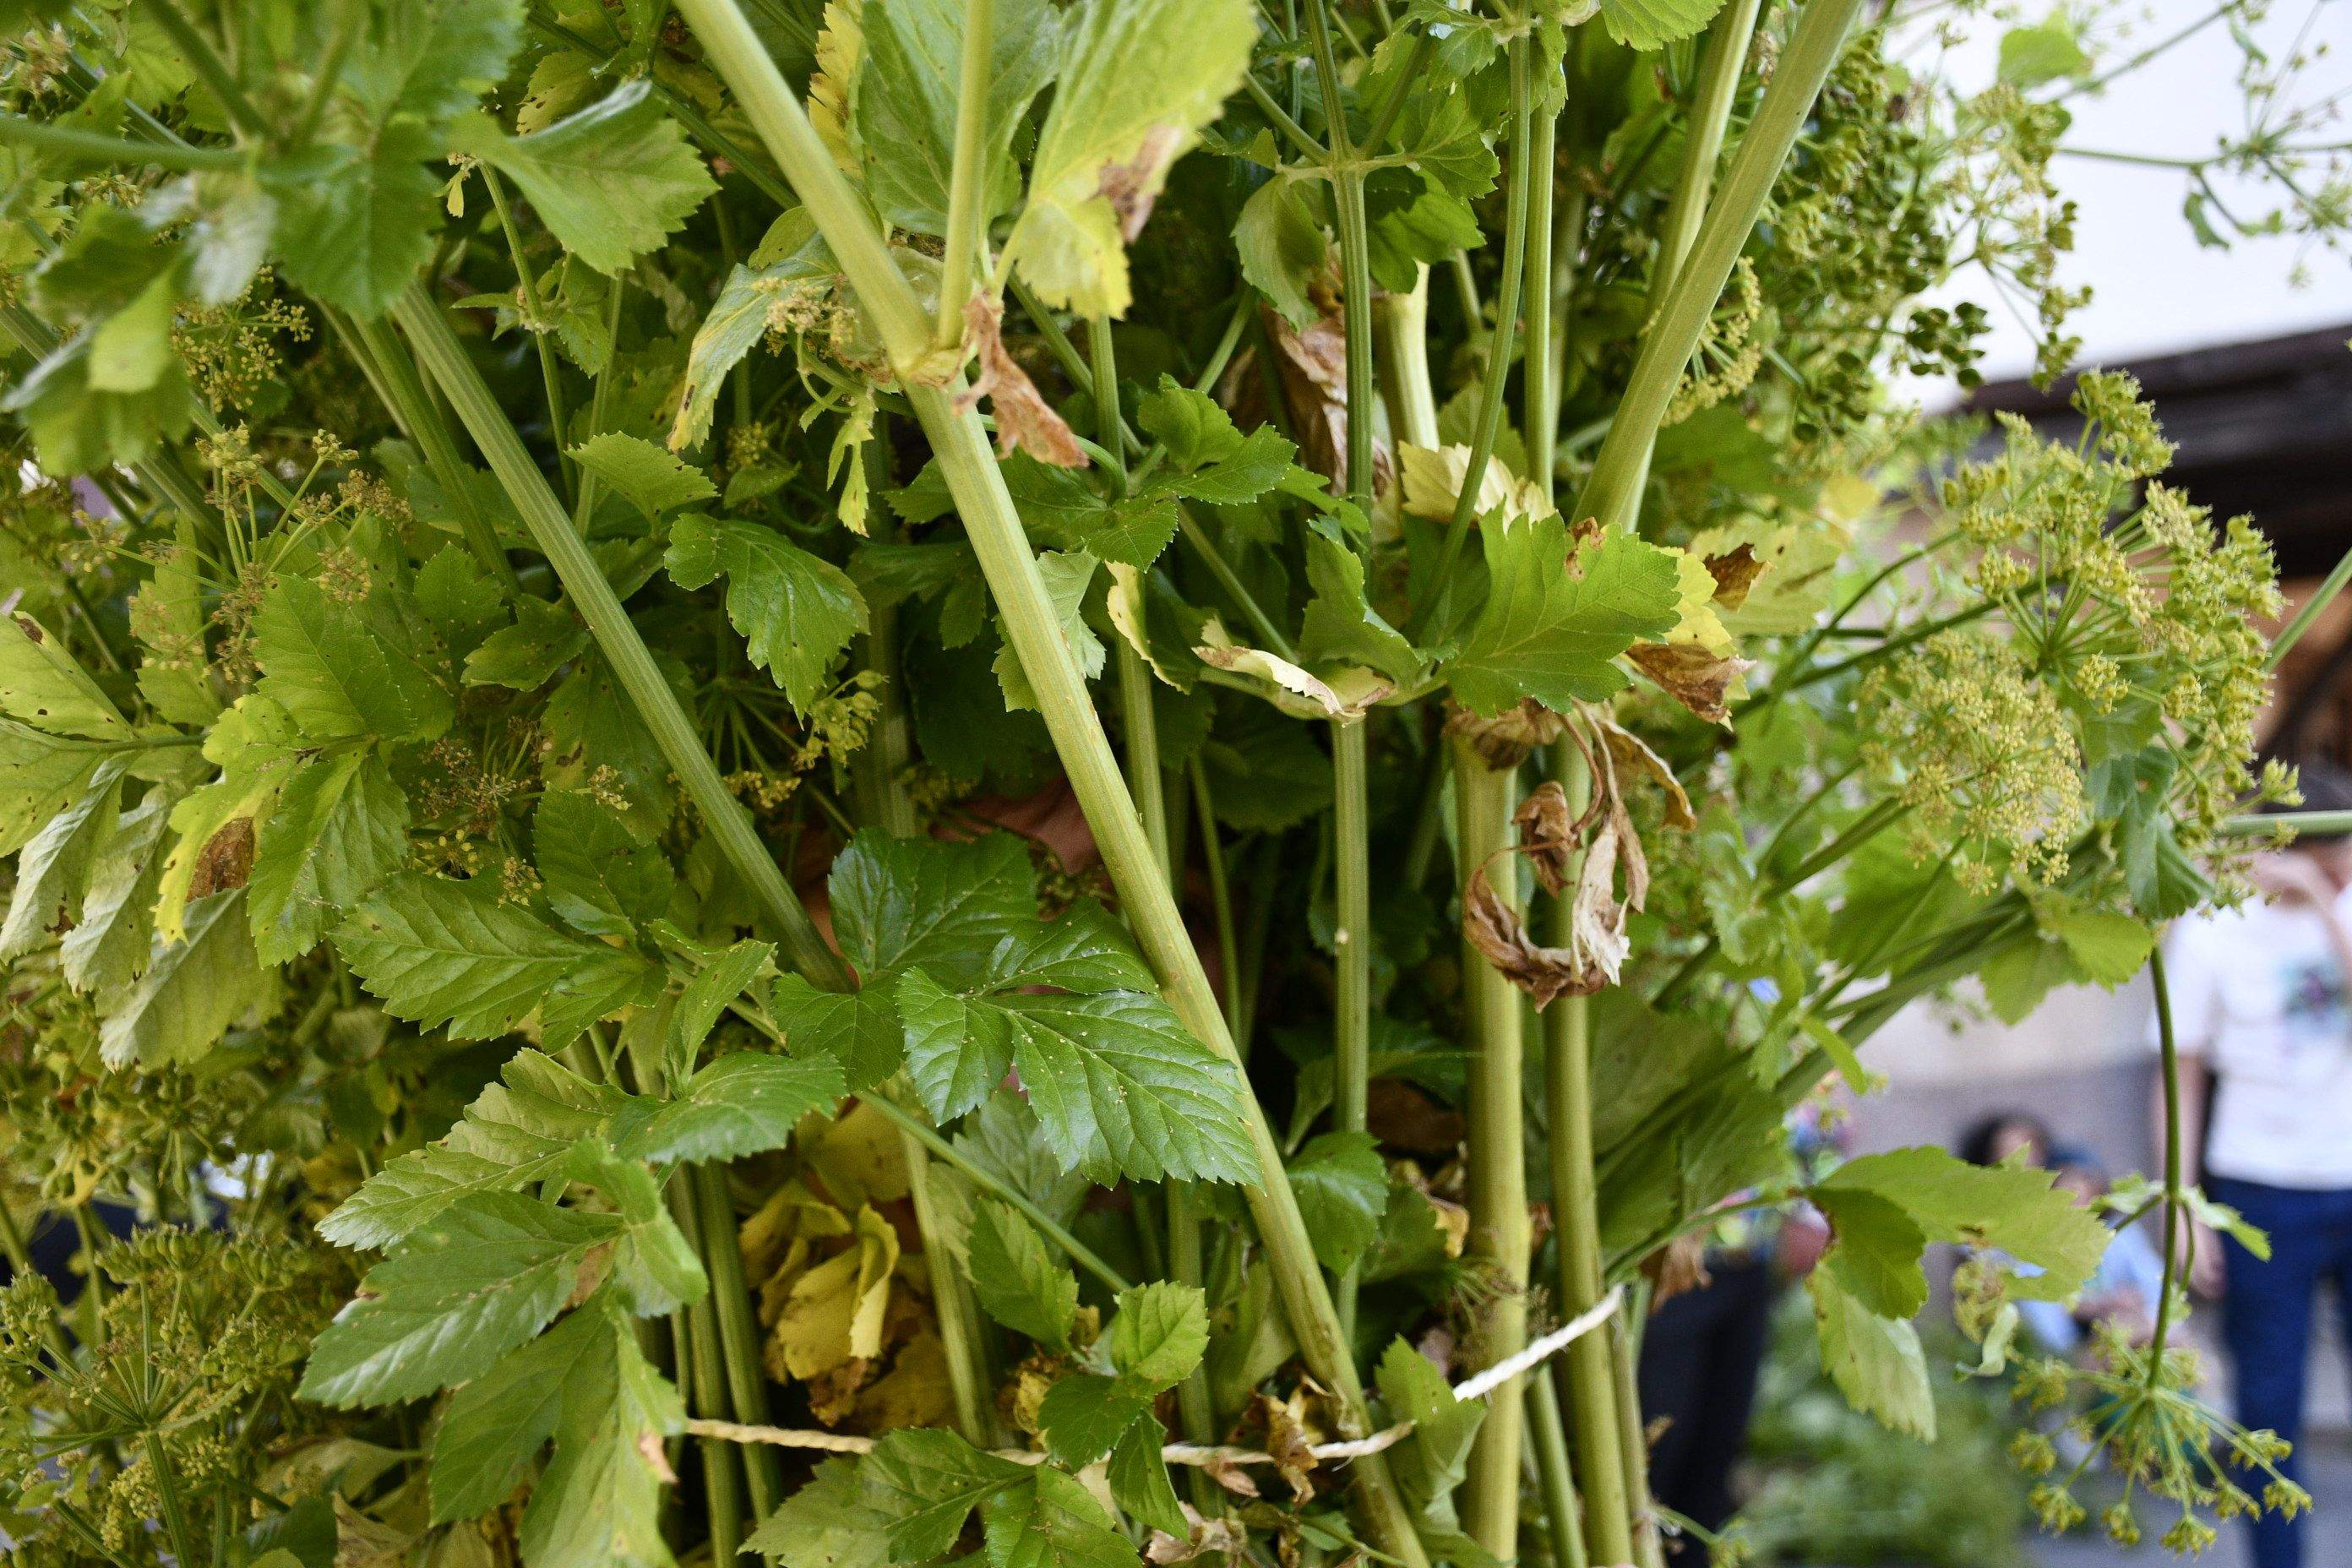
x=1032 y=629
x=738 y=1330
x=1500 y=345
x=1710 y=114
x=1355 y=255
x=1622 y=1335
x=1674 y=332
x=969 y=175
x=2258 y=823
x=96 y=147
x=550 y=374
x=728 y=823
x=1540 y=419
x=1499 y=1232
x=1568 y=1100
x=2176 y=1200
x=2321 y=597
x=1351 y=997
x=1052 y=1230
x=1549 y=1437
x=1297 y=135
x=699 y=1378
x=1221 y=897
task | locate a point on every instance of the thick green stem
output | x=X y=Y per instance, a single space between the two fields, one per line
x=1674 y=331
x=1402 y=322
x=1033 y=628
x=1499 y=1232
x=728 y=824
x=2321 y=597
x=1568 y=1102
x=1710 y=114
x=968 y=176
x=738 y=1330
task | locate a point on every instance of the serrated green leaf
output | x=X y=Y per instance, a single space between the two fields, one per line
x=341 y=828
x=1651 y=24
x=1341 y=623
x=443 y=952
x=739 y=1105
x=1432 y=1462
x=484 y=1275
x=857 y=1029
x=1016 y=1279
x=1342 y=1186
x=1876 y=1251
x=655 y=480
x=343 y=672
x=193 y=990
x=526 y=656
x=706 y=998
x=826 y=1524
x=907 y=100
x=1051 y=1520
x=54 y=869
x=943 y=907
x=598 y=1504
x=2017 y=1209
x=1875 y=1361
x=599 y=879
x=1084 y=1413
x=1282 y=247
x=354 y=223
x=925 y=1481
x=796 y=611
x=495 y=1425
x=108 y=946
x=1555 y=618
x=433 y=57
x=612 y=182
x=1117 y=1081
x=1160 y=1334
x=1137 y=1479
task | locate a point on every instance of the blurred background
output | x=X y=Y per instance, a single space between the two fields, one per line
x=2242 y=340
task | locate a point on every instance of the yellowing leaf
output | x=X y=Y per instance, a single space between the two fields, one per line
x=1139 y=79
x=834 y=1312
x=1432 y=485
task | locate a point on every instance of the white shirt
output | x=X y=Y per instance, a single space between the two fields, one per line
x=2259 y=994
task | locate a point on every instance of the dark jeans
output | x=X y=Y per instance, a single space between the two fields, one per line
x=2267 y=1321
x=1700 y=1356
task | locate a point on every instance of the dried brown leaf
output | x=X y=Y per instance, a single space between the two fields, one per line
x=1133 y=186
x=1024 y=418
x=1735 y=573
x=226 y=861
x=1678 y=1267
x=1509 y=738
x=1690 y=675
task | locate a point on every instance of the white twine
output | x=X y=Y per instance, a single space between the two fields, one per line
x=1475 y=1387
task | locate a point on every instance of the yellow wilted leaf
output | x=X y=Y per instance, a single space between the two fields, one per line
x=859 y=1158
x=834 y=1312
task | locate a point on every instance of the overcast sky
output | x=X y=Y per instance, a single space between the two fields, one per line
x=2156 y=290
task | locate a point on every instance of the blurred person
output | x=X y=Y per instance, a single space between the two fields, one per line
x=2004 y=1133
x=2261 y=1017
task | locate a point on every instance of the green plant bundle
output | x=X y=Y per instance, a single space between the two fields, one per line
x=802 y=781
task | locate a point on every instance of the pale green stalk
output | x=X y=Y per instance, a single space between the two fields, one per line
x=966 y=181
x=729 y=825
x=1624 y=1333
x=1402 y=322
x=1351 y=997
x=1499 y=1232
x=1539 y=422
x=1710 y=114
x=1355 y=257
x=740 y=1362
x=698 y=1379
x=1674 y=331
x=1034 y=629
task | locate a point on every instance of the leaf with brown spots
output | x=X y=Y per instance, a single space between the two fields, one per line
x=225 y=862
x=1735 y=573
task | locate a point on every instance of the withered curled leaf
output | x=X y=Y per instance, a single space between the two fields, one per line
x=1024 y=418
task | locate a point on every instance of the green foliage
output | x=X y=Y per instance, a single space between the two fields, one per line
x=537 y=741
